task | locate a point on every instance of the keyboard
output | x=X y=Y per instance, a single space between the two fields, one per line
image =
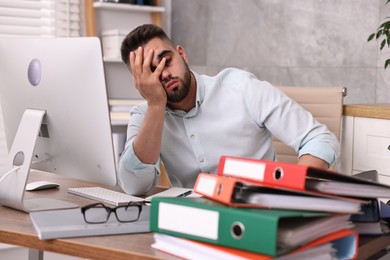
x=104 y=195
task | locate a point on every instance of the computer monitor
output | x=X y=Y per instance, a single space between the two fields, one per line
x=53 y=96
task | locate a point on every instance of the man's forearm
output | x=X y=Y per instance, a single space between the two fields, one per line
x=313 y=161
x=147 y=144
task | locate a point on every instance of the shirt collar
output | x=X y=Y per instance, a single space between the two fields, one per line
x=200 y=89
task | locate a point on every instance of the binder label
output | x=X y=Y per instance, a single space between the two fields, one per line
x=206 y=185
x=244 y=169
x=186 y=220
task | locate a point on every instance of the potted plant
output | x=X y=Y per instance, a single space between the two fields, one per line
x=383 y=33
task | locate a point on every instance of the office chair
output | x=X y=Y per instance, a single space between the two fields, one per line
x=164 y=180
x=325 y=104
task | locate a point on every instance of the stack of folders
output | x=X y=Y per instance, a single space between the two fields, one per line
x=256 y=209
x=375 y=217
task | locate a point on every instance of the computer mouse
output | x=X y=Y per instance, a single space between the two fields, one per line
x=41 y=185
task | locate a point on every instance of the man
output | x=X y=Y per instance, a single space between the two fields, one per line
x=189 y=121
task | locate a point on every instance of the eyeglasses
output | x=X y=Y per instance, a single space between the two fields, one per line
x=99 y=213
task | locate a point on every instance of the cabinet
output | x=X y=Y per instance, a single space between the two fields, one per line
x=366 y=140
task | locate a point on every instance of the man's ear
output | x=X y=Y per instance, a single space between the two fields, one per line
x=182 y=53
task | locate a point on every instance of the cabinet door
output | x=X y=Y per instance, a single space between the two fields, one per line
x=344 y=164
x=371 y=145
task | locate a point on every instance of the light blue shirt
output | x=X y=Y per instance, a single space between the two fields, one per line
x=236 y=115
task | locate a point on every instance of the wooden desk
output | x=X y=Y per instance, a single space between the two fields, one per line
x=381 y=110
x=16 y=228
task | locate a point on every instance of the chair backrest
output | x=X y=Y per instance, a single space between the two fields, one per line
x=164 y=179
x=325 y=104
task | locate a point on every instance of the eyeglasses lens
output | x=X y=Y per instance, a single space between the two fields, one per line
x=130 y=213
x=97 y=214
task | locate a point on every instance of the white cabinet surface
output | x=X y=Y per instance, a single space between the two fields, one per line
x=371 y=143
x=366 y=140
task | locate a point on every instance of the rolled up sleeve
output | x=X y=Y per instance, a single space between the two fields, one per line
x=135 y=177
x=326 y=150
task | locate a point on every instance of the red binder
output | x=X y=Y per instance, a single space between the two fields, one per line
x=345 y=241
x=300 y=177
x=237 y=193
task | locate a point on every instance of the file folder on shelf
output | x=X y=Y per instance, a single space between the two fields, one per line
x=262 y=231
x=301 y=177
x=233 y=192
x=338 y=245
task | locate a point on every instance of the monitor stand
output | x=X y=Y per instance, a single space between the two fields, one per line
x=13 y=181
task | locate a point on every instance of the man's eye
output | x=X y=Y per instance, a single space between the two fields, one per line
x=167 y=62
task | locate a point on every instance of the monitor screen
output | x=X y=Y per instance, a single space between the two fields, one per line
x=64 y=77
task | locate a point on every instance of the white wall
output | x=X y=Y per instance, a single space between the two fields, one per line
x=289 y=43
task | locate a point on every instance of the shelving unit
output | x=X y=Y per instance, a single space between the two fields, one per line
x=125 y=16
x=128 y=7
x=102 y=16
x=105 y=59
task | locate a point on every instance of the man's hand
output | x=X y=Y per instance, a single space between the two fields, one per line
x=147 y=81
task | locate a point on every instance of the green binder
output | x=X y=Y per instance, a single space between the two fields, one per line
x=256 y=230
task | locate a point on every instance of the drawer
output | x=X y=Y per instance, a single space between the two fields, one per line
x=371 y=143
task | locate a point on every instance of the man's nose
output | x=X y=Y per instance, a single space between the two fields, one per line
x=165 y=74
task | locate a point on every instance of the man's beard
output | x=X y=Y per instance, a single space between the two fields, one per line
x=177 y=94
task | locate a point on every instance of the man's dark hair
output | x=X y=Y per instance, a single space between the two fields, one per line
x=139 y=37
